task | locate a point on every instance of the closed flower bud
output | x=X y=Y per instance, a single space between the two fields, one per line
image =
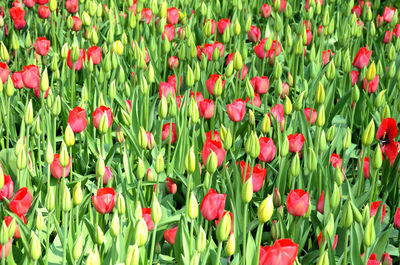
x=77 y=194
x=103 y=125
x=230 y=245
x=193 y=207
x=320 y=94
x=295 y=166
x=287 y=106
x=322 y=141
x=190 y=161
x=159 y=164
x=321 y=116
x=189 y=77
x=229 y=69
x=380 y=99
x=284 y=148
x=114 y=228
x=236 y=26
x=163 y=108
x=86 y=19
x=155 y=210
x=66 y=204
x=28 y=117
x=347 y=215
x=77 y=249
x=56 y=108
x=386 y=112
x=251 y=117
x=266 y=209
x=237 y=61
x=330 y=73
x=141 y=233
x=36 y=126
x=50 y=200
x=371 y=72
x=347 y=139
x=335 y=197
x=369 y=233
x=201 y=240
x=100 y=167
x=323 y=259
x=377 y=157
x=4 y=235
x=218 y=87
x=132 y=258
x=93 y=258
x=226 y=36
x=44 y=81
x=142 y=138
x=39 y=222
x=369 y=134
x=266 y=124
x=10 y=87
x=331 y=133
x=356 y=213
x=69 y=136
x=224 y=227
x=21 y=159
x=121 y=204
x=228 y=140
x=35 y=249
x=338 y=176
x=311 y=160
x=247 y=190
x=212 y=162
x=366 y=215
x=141 y=169
x=4 y=56
x=330 y=225
x=194 y=111
x=252 y=146
x=298 y=105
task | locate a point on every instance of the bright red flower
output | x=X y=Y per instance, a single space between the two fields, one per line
x=313 y=116
x=296 y=142
x=172 y=15
x=77 y=119
x=275 y=48
x=173 y=62
x=320 y=205
x=388 y=36
x=8 y=189
x=17 y=14
x=267 y=149
x=7 y=248
x=169 y=31
x=57 y=170
x=219 y=220
x=236 y=110
x=388 y=13
x=104 y=200
x=77 y=23
x=212 y=206
x=147 y=14
x=79 y=63
x=362 y=58
x=326 y=56
x=99 y=112
x=216 y=147
x=31 y=76
x=165 y=132
x=335 y=160
x=366 y=168
x=282 y=252
x=95 y=54
x=29 y=3
x=371 y=86
x=387 y=130
x=386 y=259
x=42 y=46
x=44 y=12
x=170 y=186
x=4 y=72
x=169 y=235
x=258 y=175
x=397 y=219
x=21 y=202
x=71 y=6
x=254 y=34
x=210 y=83
x=278 y=114
x=374 y=209
x=354 y=77
x=260 y=84
x=165 y=89
x=206 y=108
x=146 y=214
x=307 y=5
x=356 y=10
x=334 y=241
x=213 y=136
x=41 y=2
x=222 y=24
x=256 y=100
x=372 y=259
x=265 y=11
x=107 y=176
x=297 y=202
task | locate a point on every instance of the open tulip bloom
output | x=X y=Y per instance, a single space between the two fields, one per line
x=199 y=132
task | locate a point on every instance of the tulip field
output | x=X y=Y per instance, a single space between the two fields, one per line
x=232 y=132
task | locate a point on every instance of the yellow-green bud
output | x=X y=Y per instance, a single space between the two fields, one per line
x=77 y=194
x=266 y=124
x=190 y=161
x=377 y=157
x=356 y=213
x=35 y=249
x=163 y=108
x=265 y=210
x=252 y=146
x=4 y=56
x=44 y=81
x=50 y=200
x=347 y=139
x=322 y=141
x=331 y=133
x=39 y=222
x=298 y=105
x=347 y=215
x=201 y=240
x=323 y=259
x=380 y=99
x=77 y=249
x=132 y=258
x=142 y=138
x=86 y=19
x=103 y=125
x=121 y=204
x=369 y=233
x=69 y=136
x=284 y=148
x=193 y=207
x=114 y=228
x=159 y=163
x=311 y=160
x=230 y=245
x=189 y=77
x=228 y=140
x=366 y=215
x=93 y=258
x=212 y=162
x=66 y=202
x=287 y=106
x=237 y=61
x=56 y=109
x=224 y=227
x=295 y=166
x=36 y=126
x=371 y=72
x=141 y=169
x=21 y=159
x=4 y=235
x=320 y=94
x=229 y=69
x=100 y=167
x=321 y=116
x=247 y=190
x=218 y=87
x=369 y=134
x=141 y=233
x=330 y=225
x=156 y=213
x=28 y=117
x=335 y=197
x=10 y=87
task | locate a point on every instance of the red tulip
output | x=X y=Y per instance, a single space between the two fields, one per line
x=213 y=135
x=362 y=58
x=208 y=50
x=146 y=214
x=256 y=100
x=44 y=12
x=8 y=189
x=107 y=176
x=222 y=24
x=198 y=97
x=236 y=110
x=147 y=14
x=356 y=10
x=17 y=14
x=219 y=220
x=260 y=84
x=57 y=170
x=216 y=147
x=242 y=72
x=334 y=241
x=170 y=186
x=258 y=175
x=172 y=81
x=354 y=77
x=265 y=11
x=212 y=206
x=396 y=30
x=388 y=37
x=313 y=116
x=372 y=259
x=254 y=34
x=320 y=206
x=165 y=132
x=94 y=53
x=297 y=202
x=77 y=23
x=371 y=85
x=296 y=142
x=275 y=48
x=36 y=91
x=267 y=149
x=278 y=114
x=283 y=5
x=374 y=209
x=366 y=167
x=21 y=202
x=4 y=72
x=17 y=80
x=31 y=76
x=169 y=31
x=388 y=13
x=169 y=235
x=42 y=46
x=172 y=15
x=210 y=83
x=41 y=2
x=77 y=119
x=387 y=130
x=213 y=25
x=181 y=33
x=99 y=112
x=79 y=63
x=165 y=89
x=326 y=56
x=71 y=6
x=206 y=108
x=8 y=220
x=386 y=259
x=396 y=221
x=104 y=200
x=282 y=252
x=29 y=3
x=173 y=62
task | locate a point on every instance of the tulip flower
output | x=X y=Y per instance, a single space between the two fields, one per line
x=94 y=53
x=216 y=147
x=222 y=24
x=172 y=15
x=254 y=34
x=313 y=116
x=4 y=72
x=57 y=170
x=334 y=241
x=147 y=15
x=396 y=221
x=44 y=12
x=169 y=31
x=98 y=114
x=21 y=202
x=206 y=108
x=17 y=14
x=297 y=202
x=78 y=64
x=267 y=149
x=258 y=175
x=146 y=214
x=275 y=49
x=165 y=132
x=210 y=83
x=265 y=11
x=260 y=84
x=374 y=209
x=283 y=251
x=77 y=23
x=236 y=110
x=219 y=220
x=388 y=13
x=386 y=133
x=71 y=6
x=42 y=46
x=8 y=189
x=212 y=205
x=371 y=86
x=31 y=76
x=170 y=186
x=296 y=142
x=362 y=58
x=169 y=235
x=8 y=220
x=104 y=200
x=77 y=119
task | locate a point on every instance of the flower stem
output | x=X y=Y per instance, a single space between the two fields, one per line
x=217 y=262
x=153 y=239
x=260 y=227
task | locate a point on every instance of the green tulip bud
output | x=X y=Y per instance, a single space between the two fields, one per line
x=252 y=146
x=66 y=202
x=93 y=257
x=338 y=176
x=322 y=142
x=335 y=197
x=100 y=166
x=265 y=210
x=230 y=245
x=36 y=126
x=321 y=116
x=237 y=61
x=142 y=139
x=330 y=73
x=323 y=259
x=190 y=161
x=298 y=105
x=193 y=207
x=163 y=108
x=228 y=140
x=331 y=133
x=35 y=249
x=4 y=235
x=212 y=162
x=266 y=124
x=347 y=139
x=371 y=72
x=39 y=222
x=56 y=109
x=10 y=87
x=287 y=106
x=114 y=228
x=380 y=99
x=189 y=77
x=366 y=215
x=224 y=227
x=295 y=166
x=236 y=27
x=386 y=112
x=159 y=163
x=347 y=217
x=193 y=111
x=369 y=233
x=77 y=194
x=377 y=157
x=247 y=190
x=330 y=226
x=21 y=159
x=201 y=240
x=50 y=200
x=356 y=213
x=28 y=117
x=155 y=210
x=121 y=209
x=141 y=233
x=77 y=249
x=226 y=36
x=132 y=258
x=69 y=136
x=369 y=134
x=4 y=56
x=284 y=148
x=311 y=160
x=320 y=94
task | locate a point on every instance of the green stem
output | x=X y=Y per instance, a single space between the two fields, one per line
x=153 y=240
x=346 y=240
x=48 y=239
x=260 y=227
x=217 y=262
x=65 y=239
x=246 y=205
x=191 y=238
